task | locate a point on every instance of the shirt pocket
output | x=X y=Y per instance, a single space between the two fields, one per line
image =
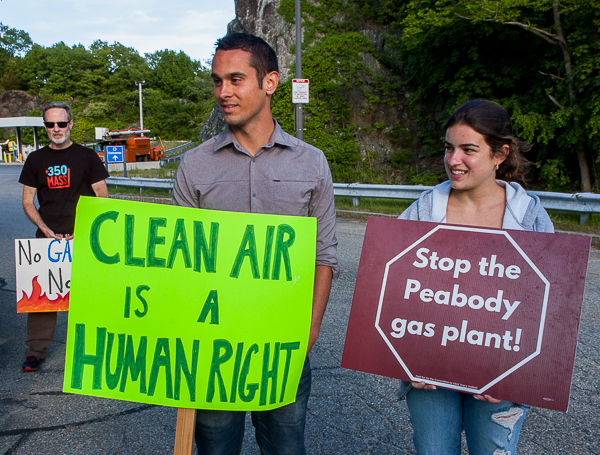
x=223 y=195
x=291 y=197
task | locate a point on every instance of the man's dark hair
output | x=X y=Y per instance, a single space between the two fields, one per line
x=262 y=56
x=55 y=105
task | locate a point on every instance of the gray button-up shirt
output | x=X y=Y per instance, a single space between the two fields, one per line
x=285 y=177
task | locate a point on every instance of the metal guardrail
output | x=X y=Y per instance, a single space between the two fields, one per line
x=175 y=153
x=583 y=203
x=141 y=183
x=358 y=190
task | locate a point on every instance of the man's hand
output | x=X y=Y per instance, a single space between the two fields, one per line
x=423 y=385
x=50 y=233
x=33 y=214
x=323 y=277
x=315 y=328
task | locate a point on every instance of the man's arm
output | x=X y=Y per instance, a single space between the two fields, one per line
x=33 y=214
x=322 y=207
x=183 y=192
x=100 y=189
x=323 y=277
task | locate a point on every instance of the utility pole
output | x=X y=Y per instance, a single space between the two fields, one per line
x=298 y=107
x=139 y=84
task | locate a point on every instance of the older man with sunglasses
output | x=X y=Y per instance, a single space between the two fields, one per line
x=59 y=174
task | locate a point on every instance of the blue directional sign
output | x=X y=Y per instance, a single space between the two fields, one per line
x=115 y=153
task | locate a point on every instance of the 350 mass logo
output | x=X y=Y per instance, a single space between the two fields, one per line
x=58 y=176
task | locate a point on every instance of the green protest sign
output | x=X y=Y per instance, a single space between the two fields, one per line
x=189 y=308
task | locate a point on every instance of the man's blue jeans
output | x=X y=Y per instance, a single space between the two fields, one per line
x=278 y=432
x=438 y=417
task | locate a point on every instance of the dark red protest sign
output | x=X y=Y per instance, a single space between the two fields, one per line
x=471 y=309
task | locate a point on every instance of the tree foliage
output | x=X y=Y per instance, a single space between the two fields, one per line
x=538 y=58
x=12 y=42
x=99 y=83
x=535 y=57
x=340 y=85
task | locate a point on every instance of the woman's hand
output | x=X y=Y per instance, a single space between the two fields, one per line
x=423 y=385
x=487 y=398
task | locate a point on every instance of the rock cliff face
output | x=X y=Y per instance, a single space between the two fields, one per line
x=377 y=124
x=214 y=124
x=15 y=103
x=260 y=18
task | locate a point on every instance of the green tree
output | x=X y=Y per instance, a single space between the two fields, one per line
x=569 y=66
x=59 y=69
x=12 y=43
x=172 y=72
x=32 y=70
x=119 y=67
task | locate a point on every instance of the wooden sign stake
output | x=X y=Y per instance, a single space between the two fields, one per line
x=184 y=433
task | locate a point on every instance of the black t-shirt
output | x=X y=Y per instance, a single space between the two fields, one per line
x=61 y=177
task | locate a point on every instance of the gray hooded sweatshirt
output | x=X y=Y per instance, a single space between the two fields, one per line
x=523 y=212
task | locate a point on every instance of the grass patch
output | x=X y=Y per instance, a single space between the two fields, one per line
x=129 y=191
x=168 y=171
x=375 y=205
x=569 y=221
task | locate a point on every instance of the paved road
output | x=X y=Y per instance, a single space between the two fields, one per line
x=349 y=412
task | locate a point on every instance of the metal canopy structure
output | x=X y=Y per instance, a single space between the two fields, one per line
x=23 y=122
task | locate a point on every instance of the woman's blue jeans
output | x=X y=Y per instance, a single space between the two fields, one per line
x=439 y=416
x=278 y=432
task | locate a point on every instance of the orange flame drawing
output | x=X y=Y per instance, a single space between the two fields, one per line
x=39 y=303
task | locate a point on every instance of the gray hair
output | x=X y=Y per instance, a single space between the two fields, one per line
x=54 y=105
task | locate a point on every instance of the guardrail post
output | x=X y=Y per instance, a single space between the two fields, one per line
x=355 y=201
x=583 y=217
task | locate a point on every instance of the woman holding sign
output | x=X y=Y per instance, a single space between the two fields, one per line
x=485 y=168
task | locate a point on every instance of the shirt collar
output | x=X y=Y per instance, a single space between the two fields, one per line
x=227 y=137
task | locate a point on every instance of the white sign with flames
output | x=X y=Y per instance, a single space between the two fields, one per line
x=43 y=268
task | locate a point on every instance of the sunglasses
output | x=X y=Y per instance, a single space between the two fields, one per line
x=50 y=125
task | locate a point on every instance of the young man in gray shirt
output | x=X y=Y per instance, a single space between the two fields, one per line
x=253 y=166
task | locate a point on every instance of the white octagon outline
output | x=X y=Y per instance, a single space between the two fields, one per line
x=506 y=373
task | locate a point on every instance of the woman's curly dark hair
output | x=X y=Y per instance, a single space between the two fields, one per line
x=491 y=121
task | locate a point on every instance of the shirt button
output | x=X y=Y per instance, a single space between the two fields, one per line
x=253 y=194
x=253 y=160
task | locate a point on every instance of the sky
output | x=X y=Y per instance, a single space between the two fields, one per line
x=191 y=26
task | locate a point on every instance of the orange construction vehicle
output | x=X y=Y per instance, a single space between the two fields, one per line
x=137 y=146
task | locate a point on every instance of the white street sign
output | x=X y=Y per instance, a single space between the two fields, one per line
x=299 y=91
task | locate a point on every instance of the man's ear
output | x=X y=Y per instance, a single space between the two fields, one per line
x=271 y=82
